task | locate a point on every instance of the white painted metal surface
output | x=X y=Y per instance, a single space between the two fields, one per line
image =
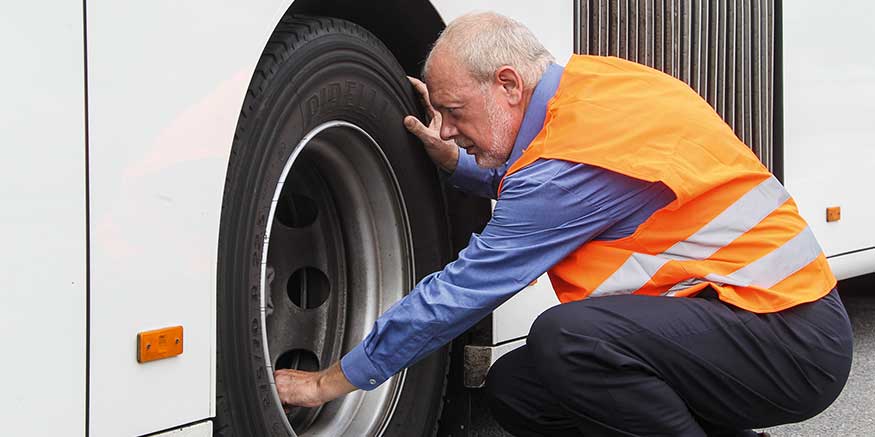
x=553 y=24
x=166 y=82
x=514 y=318
x=475 y=376
x=829 y=103
x=853 y=264
x=42 y=220
x=203 y=429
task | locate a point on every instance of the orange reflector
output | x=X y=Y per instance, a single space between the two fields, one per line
x=833 y=213
x=158 y=344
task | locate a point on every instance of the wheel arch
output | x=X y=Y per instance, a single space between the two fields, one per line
x=407 y=27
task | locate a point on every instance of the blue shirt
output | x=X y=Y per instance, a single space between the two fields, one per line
x=546 y=211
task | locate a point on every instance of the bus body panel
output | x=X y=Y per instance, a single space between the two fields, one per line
x=42 y=175
x=853 y=264
x=203 y=429
x=166 y=83
x=829 y=102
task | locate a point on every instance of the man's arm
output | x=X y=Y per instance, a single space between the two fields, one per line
x=540 y=218
x=516 y=246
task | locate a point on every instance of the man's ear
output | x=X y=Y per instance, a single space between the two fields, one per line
x=511 y=84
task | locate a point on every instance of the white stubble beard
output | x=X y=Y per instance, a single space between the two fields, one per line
x=495 y=154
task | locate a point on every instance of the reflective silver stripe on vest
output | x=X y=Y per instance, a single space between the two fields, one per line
x=778 y=265
x=633 y=274
x=734 y=221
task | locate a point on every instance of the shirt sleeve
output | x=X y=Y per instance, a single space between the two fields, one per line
x=540 y=218
x=471 y=178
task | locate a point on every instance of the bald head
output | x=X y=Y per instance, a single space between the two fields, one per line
x=483 y=42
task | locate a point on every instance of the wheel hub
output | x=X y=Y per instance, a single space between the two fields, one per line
x=338 y=254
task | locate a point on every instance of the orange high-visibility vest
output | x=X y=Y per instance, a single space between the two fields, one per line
x=732 y=226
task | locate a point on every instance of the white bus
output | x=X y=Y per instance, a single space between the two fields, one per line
x=195 y=193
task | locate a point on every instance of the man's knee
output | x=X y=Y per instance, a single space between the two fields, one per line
x=567 y=342
x=556 y=327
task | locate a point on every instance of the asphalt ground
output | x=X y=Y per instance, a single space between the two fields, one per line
x=853 y=413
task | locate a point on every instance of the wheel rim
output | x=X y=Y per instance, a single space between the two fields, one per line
x=337 y=253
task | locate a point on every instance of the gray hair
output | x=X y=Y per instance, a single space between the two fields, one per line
x=483 y=42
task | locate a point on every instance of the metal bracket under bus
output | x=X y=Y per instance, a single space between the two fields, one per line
x=478 y=360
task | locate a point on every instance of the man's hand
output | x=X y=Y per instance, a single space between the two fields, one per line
x=311 y=389
x=444 y=153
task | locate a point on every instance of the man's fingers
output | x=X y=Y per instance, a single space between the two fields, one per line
x=422 y=91
x=286 y=372
x=415 y=127
x=443 y=153
x=419 y=86
x=426 y=135
x=296 y=388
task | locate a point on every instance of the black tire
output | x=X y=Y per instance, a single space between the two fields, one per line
x=316 y=70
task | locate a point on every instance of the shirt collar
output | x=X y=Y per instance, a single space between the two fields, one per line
x=533 y=119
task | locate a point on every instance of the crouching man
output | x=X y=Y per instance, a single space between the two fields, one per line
x=695 y=299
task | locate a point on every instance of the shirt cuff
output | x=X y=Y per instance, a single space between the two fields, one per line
x=360 y=370
x=467 y=176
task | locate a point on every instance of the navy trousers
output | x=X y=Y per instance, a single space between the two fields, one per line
x=661 y=366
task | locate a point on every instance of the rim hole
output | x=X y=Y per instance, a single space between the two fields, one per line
x=296 y=211
x=308 y=288
x=299 y=359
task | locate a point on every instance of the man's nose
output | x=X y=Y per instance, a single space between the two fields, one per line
x=448 y=131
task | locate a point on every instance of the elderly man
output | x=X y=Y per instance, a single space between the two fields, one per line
x=696 y=301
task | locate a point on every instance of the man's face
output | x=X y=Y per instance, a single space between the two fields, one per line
x=477 y=117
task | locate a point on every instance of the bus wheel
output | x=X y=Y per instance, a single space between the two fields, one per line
x=331 y=213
